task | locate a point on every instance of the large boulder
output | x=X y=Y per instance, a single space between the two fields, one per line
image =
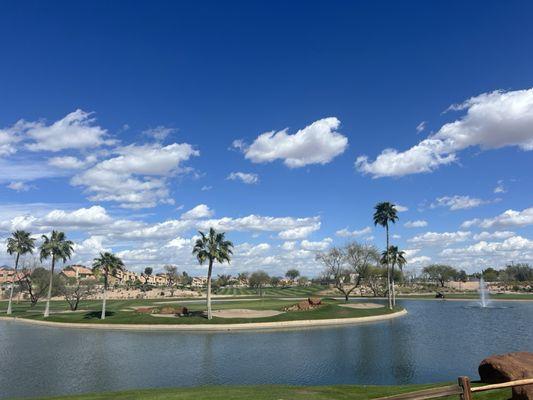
x=509 y=367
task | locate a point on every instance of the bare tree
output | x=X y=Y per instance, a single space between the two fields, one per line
x=336 y=269
x=360 y=258
x=375 y=279
x=34 y=281
x=74 y=290
x=172 y=277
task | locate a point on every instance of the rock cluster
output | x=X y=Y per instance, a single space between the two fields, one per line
x=168 y=310
x=509 y=367
x=305 y=305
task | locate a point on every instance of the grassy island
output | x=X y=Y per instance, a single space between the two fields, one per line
x=226 y=311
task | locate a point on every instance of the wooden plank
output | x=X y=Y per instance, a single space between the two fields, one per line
x=464 y=384
x=432 y=393
x=519 y=382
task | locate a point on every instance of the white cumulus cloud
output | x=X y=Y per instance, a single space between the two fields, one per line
x=198 y=212
x=491 y=121
x=69 y=162
x=516 y=247
x=76 y=130
x=509 y=218
x=95 y=215
x=458 y=202
x=401 y=208
x=316 y=246
x=160 y=132
x=137 y=176
x=420 y=223
x=345 y=232
x=493 y=235
x=318 y=143
x=244 y=177
x=440 y=238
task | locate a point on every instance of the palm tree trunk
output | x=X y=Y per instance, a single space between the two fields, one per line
x=389 y=287
x=12 y=285
x=393 y=286
x=47 y=308
x=104 y=297
x=209 y=271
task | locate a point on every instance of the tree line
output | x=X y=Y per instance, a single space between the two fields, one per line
x=512 y=273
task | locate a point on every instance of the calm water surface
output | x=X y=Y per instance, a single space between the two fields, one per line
x=437 y=341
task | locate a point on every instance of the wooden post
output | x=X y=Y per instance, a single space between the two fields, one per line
x=464 y=383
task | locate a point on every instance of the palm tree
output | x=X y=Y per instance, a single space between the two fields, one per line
x=394 y=257
x=107 y=263
x=59 y=248
x=212 y=247
x=385 y=213
x=20 y=243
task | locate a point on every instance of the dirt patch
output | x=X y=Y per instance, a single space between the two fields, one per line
x=362 y=306
x=245 y=313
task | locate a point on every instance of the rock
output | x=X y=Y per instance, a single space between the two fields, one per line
x=314 y=301
x=169 y=310
x=182 y=311
x=509 y=367
x=304 y=305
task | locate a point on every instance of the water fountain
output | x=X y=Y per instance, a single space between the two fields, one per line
x=483 y=293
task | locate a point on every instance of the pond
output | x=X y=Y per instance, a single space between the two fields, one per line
x=437 y=341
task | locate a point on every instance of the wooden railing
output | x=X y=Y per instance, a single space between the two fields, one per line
x=463 y=389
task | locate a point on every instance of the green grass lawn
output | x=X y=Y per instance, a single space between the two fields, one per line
x=272 y=392
x=119 y=312
x=296 y=291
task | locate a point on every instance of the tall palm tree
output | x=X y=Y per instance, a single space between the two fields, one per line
x=394 y=257
x=212 y=247
x=384 y=214
x=107 y=263
x=59 y=248
x=19 y=243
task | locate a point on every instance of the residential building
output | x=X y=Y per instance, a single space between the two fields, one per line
x=199 y=282
x=78 y=271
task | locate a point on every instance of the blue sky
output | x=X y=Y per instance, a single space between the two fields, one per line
x=117 y=120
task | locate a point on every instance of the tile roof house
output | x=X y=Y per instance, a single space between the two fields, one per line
x=199 y=281
x=78 y=272
x=7 y=275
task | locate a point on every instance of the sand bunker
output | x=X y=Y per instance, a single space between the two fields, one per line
x=245 y=313
x=362 y=306
x=68 y=312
